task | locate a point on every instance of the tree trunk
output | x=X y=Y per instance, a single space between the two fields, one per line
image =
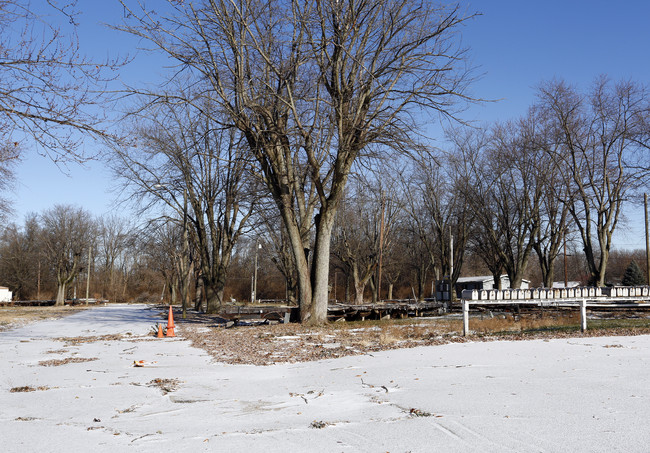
x=200 y=289
x=602 y=267
x=390 y=291
x=300 y=254
x=373 y=288
x=173 y=288
x=347 y=288
x=60 y=294
x=214 y=284
x=497 y=281
x=358 y=293
x=550 y=274
x=317 y=313
x=214 y=295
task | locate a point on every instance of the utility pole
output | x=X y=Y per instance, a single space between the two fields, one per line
x=566 y=280
x=451 y=266
x=381 y=246
x=38 y=284
x=187 y=262
x=90 y=251
x=647 y=238
x=451 y=255
x=254 y=297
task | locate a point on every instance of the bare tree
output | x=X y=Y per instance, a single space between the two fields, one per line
x=516 y=189
x=116 y=241
x=49 y=91
x=554 y=215
x=438 y=212
x=67 y=233
x=503 y=190
x=602 y=142
x=9 y=157
x=357 y=236
x=161 y=243
x=273 y=230
x=199 y=171
x=19 y=255
x=315 y=85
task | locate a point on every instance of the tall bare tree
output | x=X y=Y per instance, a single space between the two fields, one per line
x=49 y=91
x=199 y=170
x=67 y=233
x=602 y=142
x=161 y=244
x=357 y=238
x=116 y=241
x=19 y=258
x=554 y=217
x=9 y=157
x=315 y=85
x=504 y=191
x=438 y=211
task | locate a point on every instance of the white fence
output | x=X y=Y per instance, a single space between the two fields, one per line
x=579 y=292
x=580 y=296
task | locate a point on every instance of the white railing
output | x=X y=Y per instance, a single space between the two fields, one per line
x=579 y=296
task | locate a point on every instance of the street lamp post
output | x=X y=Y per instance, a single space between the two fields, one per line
x=90 y=249
x=254 y=294
x=186 y=251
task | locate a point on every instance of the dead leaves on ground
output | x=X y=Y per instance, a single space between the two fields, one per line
x=290 y=343
x=59 y=362
x=165 y=385
x=27 y=388
x=71 y=341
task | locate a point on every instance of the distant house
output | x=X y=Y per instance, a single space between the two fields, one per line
x=560 y=285
x=5 y=294
x=485 y=282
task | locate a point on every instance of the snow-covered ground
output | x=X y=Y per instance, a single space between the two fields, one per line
x=586 y=395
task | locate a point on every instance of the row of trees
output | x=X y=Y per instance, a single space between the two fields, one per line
x=48 y=254
x=298 y=124
x=130 y=263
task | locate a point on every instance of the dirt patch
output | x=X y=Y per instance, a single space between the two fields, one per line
x=165 y=385
x=27 y=388
x=72 y=341
x=12 y=317
x=282 y=343
x=59 y=362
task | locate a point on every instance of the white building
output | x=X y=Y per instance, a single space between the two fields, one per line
x=480 y=282
x=487 y=282
x=5 y=294
x=568 y=285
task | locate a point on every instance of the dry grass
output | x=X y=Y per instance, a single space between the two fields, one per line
x=525 y=322
x=72 y=341
x=268 y=344
x=11 y=317
x=165 y=385
x=59 y=362
x=27 y=388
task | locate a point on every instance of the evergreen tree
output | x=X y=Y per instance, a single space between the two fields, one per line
x=633 y=275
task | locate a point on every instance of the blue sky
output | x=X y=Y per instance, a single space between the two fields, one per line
x=515 y=44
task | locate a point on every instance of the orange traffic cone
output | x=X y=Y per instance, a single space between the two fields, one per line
x=170 y=323
x=160 y=332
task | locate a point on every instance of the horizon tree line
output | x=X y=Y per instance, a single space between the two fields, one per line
x=279 y=123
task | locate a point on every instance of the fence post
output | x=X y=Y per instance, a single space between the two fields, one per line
x=583 y=315
x=465 y=318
